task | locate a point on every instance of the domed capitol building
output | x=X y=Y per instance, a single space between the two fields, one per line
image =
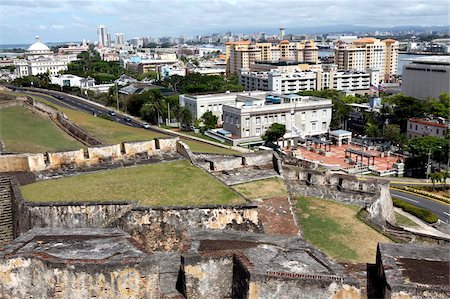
x=39 y=59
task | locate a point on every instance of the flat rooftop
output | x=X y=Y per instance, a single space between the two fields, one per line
x=430 y=60
x=416 y=265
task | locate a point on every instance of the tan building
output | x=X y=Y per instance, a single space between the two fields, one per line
x=418 y=127
x=367 y=54
x=241 y=54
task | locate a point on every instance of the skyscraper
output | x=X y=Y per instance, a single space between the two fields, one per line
x=282 y=33
x=120 y=39
x=102 y=33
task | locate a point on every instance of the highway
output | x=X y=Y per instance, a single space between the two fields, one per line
x=440 y=209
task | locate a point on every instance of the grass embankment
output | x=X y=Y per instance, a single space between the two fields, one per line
x=27 y=132
x=334 y=228
x=404 y=221
x=172 y=183
x=420 y=213
x=268 y=188
x=111 y=132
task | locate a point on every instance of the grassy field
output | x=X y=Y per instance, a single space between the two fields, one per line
x=262 y=189
x=334 y=228
x=24 y=131
x=171 y=183
x=404 y=221
x=111 y=132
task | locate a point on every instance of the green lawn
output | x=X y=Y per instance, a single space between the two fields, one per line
x=404 y=221
x=263 y=188
x=24 y=131
x=171 y=183
x=334 y=228
x=111 y=132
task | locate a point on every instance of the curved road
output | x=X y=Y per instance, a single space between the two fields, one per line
x=440 y=209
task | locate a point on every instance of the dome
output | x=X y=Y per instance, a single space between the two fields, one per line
x=38 y=46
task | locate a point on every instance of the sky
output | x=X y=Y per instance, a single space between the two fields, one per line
x=74 y=20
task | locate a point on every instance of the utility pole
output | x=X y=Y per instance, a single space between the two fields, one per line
x=117 y=96
x=168 y=113
x=428 y=165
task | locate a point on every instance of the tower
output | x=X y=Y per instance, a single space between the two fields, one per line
x=282 y=33
x=102 y=33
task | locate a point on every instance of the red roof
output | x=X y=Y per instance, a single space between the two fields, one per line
x=427 y=123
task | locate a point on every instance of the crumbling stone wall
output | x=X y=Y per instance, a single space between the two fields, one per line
x=77 y=131
x=105 y=152
x=184 y=150
x=258 y=158
x=56 y=160
x=22 y=162
x=133 y=148
x=33 y=278
x=208 y=278
x=165 y=228
x=167 y=145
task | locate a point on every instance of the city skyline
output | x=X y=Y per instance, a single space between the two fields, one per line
x=72 y=20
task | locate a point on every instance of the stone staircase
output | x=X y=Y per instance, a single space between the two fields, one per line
x=6 y=217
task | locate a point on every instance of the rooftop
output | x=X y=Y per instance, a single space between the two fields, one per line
x=426 y=122
x=445 y=60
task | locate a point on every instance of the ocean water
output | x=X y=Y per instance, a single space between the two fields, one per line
x=26 y=46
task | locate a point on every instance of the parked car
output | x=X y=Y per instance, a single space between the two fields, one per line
x=112 y=113
x=145 y=125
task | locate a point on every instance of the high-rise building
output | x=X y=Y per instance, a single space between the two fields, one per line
x=120 y=39
x=239 y=55
x=102 y=33
x=108 y=40
x=366 y=54
x=282 y=33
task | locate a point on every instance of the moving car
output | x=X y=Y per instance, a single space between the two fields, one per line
x=145 y=125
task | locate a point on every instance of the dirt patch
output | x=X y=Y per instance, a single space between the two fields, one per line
x=212 y=245
x=276 y=217
x=425 y=272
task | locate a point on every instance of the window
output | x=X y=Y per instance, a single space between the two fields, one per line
x=324 y=113
x=247 y=133
x=265 y=119
x=313 y=127
x=258 y=131
x=283 y=118
x=258 y=120
x=324 y=126
x=232 y=120
x=314 y=115
x=292 y=116
x=270 y=119
x=437 y=131
x=303 y=117
x=247 y=121
x=215 y=107
x=226 y=118
x=416 y=127
x=303 y=128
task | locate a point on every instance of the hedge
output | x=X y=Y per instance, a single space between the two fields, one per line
x=423 y=214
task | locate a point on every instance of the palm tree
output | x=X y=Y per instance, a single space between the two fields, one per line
x=436 y=177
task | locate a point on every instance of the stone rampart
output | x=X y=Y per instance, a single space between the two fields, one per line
x=165 y=228
x=56 y=160
x=167 y=145
x=134 y=148
x=74 y=130
x=184 y=150
x=110 y=152
x=258 y=159
x=22 y=162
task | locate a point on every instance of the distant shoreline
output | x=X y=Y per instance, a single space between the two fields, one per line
x=423 y=53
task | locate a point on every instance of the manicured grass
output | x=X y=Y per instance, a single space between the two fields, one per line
x=334 y=228
x=171 y=183
x=111 y=132
x=404 y=221
x=263 y=188
x=24 y=131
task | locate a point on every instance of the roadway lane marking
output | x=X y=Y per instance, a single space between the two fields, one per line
x=416 y=201
x=447 y=214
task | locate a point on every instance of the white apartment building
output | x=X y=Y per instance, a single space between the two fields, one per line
x=418 y=127
x=426 y=77
x=368 y=53
x=67 y=80
x=249 y=118
x=40 y=60
x=199 y=104
x=294 y=81
x=102 y=34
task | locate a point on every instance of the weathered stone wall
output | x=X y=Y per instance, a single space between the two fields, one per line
x=208 y=278
x=167 y=145
x=33 y=278
x=165 y=228
x=112 y=152
x=6 y=212
x=184 y=150
x=22 y=162
x=258 y=158
x=289 y=286
x=76 y=131
x=133 y=148
x=75 y=215
x=63 y=158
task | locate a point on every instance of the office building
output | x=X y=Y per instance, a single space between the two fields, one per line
x=102 y=35
x=282 y=33
x=367 y=54
x=120 y=39
x=426 y=77
x=250 y=116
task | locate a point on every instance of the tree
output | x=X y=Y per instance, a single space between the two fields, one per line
x=372 y=129
x=392 y=133
x=209 y=120
x=436 y=177
x=274 y=132
x=184 y=116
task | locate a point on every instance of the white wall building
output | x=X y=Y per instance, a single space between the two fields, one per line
x=40 y=60
x=417 y=127
x=66 y=80
x=199 y=104
x=426 y=77
x=250 y=117
x=102 y=34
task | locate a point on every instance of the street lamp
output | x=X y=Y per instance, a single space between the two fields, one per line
x=428 y=169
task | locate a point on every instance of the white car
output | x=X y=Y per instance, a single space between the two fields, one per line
x=145 y=125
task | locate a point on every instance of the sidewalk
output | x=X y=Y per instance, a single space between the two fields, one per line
x=424 y=227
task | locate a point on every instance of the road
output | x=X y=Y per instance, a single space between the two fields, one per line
x=440 y=209
x=69 y=101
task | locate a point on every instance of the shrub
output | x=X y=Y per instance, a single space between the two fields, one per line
x=423 y=214
x=104 y=116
